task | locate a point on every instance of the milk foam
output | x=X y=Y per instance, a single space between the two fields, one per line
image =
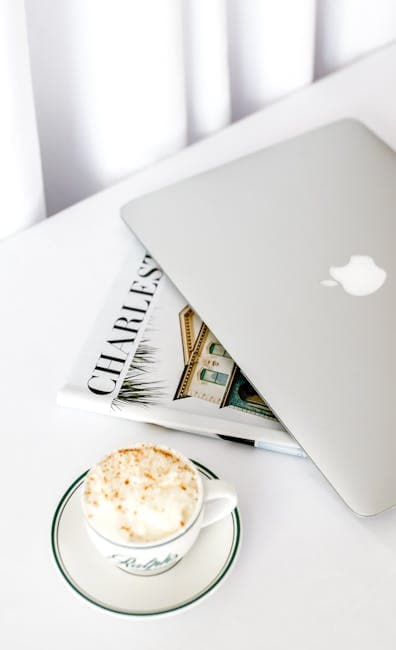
x=141 y=494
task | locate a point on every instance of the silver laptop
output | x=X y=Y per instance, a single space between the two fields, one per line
x=288 y=255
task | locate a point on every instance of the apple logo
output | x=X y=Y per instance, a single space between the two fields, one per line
x=360 y=277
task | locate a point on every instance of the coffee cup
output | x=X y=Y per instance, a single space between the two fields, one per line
x=144 y=507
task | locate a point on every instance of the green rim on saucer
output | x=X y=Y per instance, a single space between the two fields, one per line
x=231 y=552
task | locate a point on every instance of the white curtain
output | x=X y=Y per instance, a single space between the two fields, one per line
x=94 y=90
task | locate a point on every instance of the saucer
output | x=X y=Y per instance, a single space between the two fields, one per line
x=100 y=583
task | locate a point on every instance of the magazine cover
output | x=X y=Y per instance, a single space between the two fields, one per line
x=151 y=358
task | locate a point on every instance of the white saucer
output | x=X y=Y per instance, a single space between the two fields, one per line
x=91 y=576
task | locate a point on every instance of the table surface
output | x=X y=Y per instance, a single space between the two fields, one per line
x=310 y=574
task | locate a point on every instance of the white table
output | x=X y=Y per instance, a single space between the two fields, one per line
x=311 y=574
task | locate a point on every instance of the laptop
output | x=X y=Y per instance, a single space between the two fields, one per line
x=288 y=255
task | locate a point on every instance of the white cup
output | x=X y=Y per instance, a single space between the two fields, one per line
x=216 y=499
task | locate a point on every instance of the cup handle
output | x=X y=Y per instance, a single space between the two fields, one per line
x=219 y=500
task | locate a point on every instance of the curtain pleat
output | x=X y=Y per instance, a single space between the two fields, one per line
x=109 y=88
x=349 y=29
x=271 y=50
x=207 y=73
x=120 y=84
x=22 y=194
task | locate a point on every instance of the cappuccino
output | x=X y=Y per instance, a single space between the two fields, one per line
x=141 y=494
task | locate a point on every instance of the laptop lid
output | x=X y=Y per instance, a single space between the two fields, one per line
x=288 y=255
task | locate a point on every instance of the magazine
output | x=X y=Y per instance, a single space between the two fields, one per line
x=151 y=358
